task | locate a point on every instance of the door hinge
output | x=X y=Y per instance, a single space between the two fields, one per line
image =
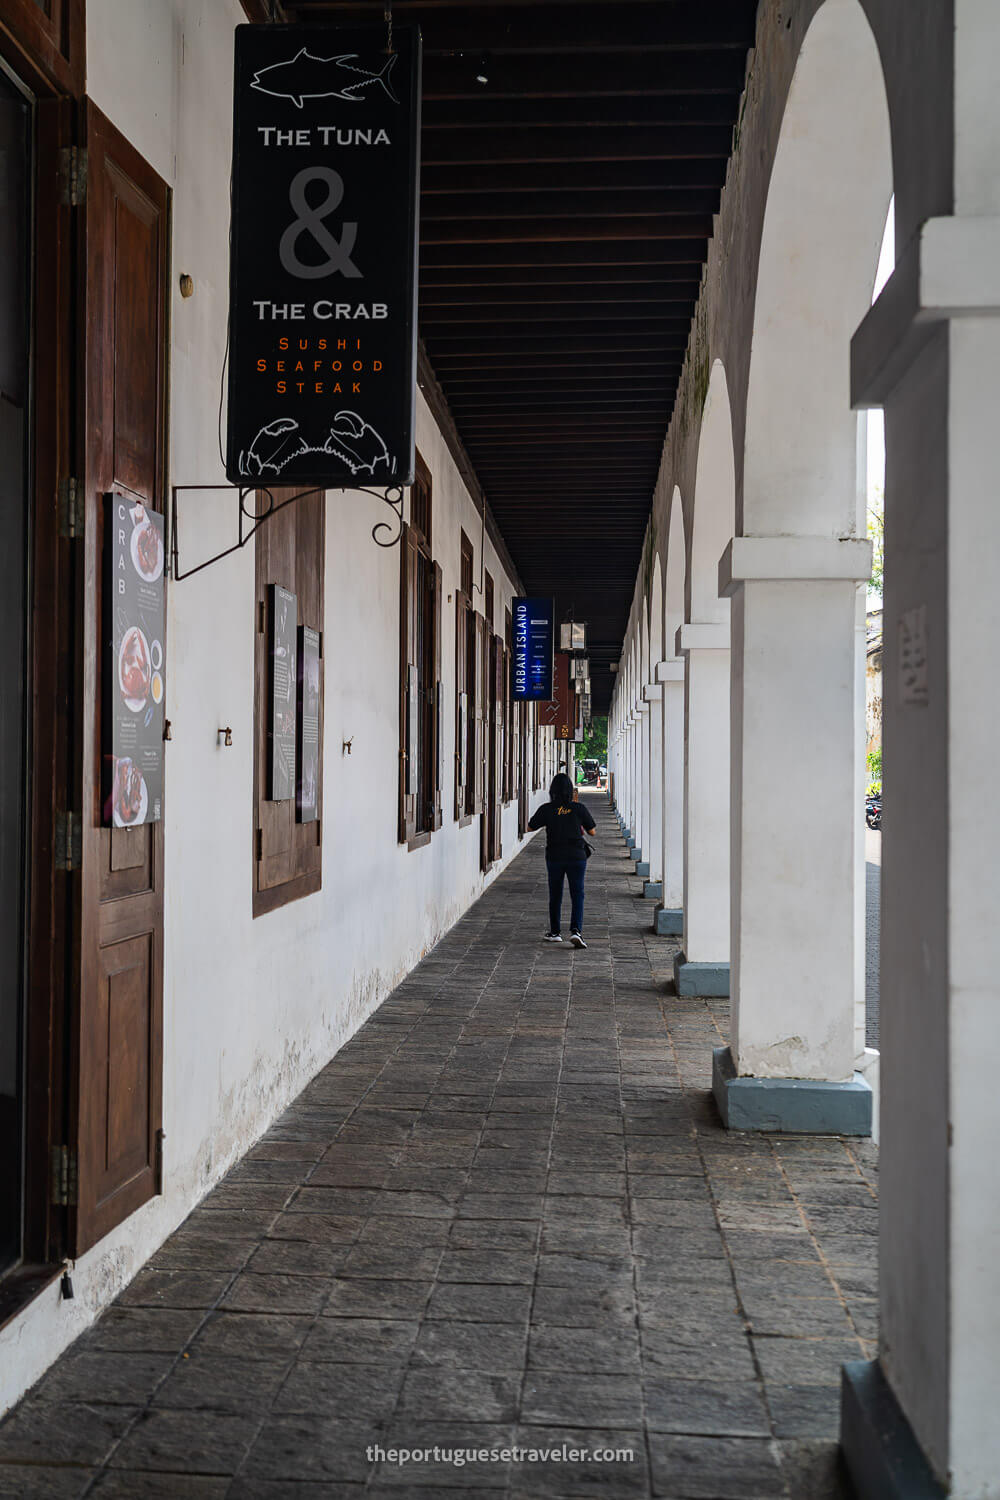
x=70 y=509
x=73 y=174
x=64 y=1177
x=69 y=840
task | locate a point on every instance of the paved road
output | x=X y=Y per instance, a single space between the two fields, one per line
x=873 y=898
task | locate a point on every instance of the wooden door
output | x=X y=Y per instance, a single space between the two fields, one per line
x=118 y=1025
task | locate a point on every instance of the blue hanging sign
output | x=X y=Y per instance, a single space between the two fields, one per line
x=534 y=639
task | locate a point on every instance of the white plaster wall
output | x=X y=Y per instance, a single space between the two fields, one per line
x=253 y=1008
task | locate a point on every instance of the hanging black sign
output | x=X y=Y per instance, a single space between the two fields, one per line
x=323 y=270
x=531 y=679
x=135 y=678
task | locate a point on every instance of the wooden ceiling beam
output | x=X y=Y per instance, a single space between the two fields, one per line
x=563 y=74
x=577 y=230
x=533 y=27
x=585 y=176
x=587 y=110
x=662 y=143
x=687 y=253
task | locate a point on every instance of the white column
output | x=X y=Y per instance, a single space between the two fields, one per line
x=795 y=815
x=653 y=847
x=670 y=674
x=929 y=352
x=706 y=803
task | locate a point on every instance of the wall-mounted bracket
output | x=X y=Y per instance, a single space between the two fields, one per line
x=255 y=507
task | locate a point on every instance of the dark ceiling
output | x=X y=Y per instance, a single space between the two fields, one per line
x=566 y=207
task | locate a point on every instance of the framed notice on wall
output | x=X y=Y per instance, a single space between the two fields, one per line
x=134 y=684
x=281 y=738
x=307 y=761
x=323 y=267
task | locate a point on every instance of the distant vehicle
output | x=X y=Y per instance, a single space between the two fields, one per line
x=591 y=772
x=873 y=810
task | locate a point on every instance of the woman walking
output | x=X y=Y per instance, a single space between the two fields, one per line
x=565 y=822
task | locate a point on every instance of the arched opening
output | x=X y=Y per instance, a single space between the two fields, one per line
x=714 y=501
x=797 y=577
x=704 y=965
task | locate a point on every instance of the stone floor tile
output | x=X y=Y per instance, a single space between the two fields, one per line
x=715 y=1468
x=186 y=1442
x=556 y=1398
x=352 y=1392
x=437 y=1476
x=297 y=1447
x=189 y=1289
x=297 y=1258
x=584 y=1306
x=42 y=1482
x=370 y=1341
x=143 y=1330
x=131 y=1484
x=441 y=1394
x=496 y=1347
x=804 y=1411
x=275 y=1292
x=544 y=1475
x=604 y=1349
x=221 y=1382
x=104 y=1377
x=353 y=1297
x=48 y=1432
x=816 y=1470
x=503 y=1266
x=722 y=1408
x=804 y=1361
x=476 y=1303
x=252 y=1336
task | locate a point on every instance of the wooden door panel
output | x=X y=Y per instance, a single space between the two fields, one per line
x=119 y=1027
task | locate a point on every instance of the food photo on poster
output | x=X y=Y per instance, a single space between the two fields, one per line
x=135 y=672
x=323 y=262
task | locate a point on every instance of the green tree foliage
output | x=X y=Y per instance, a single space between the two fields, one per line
x=875 y=770
x=595 y=742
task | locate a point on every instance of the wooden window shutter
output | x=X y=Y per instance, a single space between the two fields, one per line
x=438 y=732
x=409 y=686
x=117 y=1025
x=482 y=688
x=290 y=551
x=461 y=704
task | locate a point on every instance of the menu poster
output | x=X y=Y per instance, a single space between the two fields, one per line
x=134 y=679
x=284 y=692
x=308 y=731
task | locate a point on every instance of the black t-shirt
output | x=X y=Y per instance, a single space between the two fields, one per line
x=564 y=829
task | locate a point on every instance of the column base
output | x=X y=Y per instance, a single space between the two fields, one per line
x=711 y=980
x=642 y=868
x=668 y=921
x=802 y=1106
x=634 y=851
x=652 y=890
x=883 y=1457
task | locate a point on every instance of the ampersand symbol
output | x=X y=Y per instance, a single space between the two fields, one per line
x=311 y=219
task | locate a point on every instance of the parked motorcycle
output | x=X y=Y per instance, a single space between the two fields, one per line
x=873 y=810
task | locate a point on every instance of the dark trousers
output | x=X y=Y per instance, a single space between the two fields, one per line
x=574 y=871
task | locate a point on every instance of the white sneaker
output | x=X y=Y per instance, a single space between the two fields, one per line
x=577 y=940
x=552 y=937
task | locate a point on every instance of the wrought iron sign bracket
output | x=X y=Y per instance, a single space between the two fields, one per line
x=250 y=520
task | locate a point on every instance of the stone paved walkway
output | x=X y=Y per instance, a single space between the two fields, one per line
x=505 y=1214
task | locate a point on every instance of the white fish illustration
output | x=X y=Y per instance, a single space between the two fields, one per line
x=306 y=76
